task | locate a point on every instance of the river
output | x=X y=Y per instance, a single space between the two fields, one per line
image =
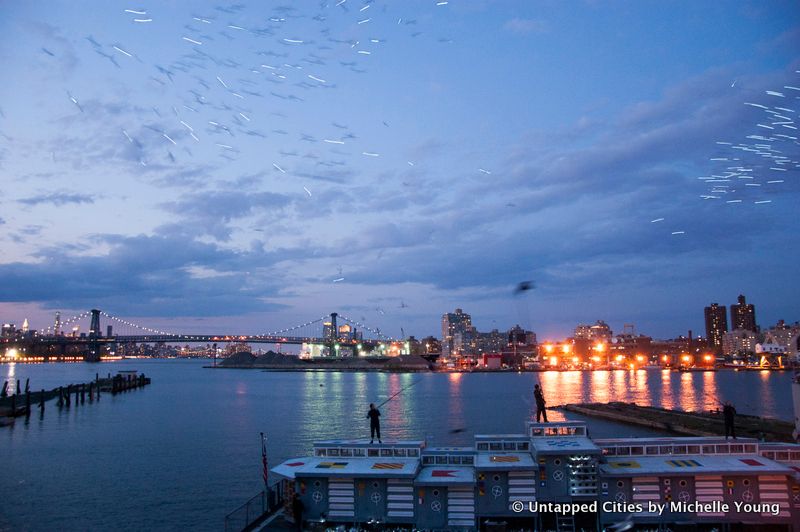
x=185 y=450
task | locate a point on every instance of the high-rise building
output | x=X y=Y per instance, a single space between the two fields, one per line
x=743 y=315
x=457 y=331
x=716 y=325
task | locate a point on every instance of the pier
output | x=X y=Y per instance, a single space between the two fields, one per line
x=685 y=423
x=21 y=403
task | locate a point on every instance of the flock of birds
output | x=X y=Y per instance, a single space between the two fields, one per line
x=225 y=84
x=749 y=170
x=222 y=96
x=237 y=76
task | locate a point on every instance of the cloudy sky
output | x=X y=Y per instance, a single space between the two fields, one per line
x=246 y=167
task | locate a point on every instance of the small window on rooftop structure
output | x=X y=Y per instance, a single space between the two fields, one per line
x=679 y=449
x=413 y=452
x=347 y=452
x=693 y=449
x=665 y=449
x=386 y=452
x=372 y=452
x=466 y=460
x=358 y=452
x=637 y=450
x=782 y=456
x=495 y=446
x=749 y=448
x=708 y=449
x=333 y=452
x=722 y=449
x=738 y=449
x=523 y=446
x=427 y=460
x=399 y=452
x=623 y=451
x=441 y=459
x=509 y=446
x=321 y=452
x=651 y=449
x=483 y=446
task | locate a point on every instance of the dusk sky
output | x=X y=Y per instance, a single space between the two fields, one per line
x=246 y=167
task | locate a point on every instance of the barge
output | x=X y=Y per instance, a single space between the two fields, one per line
x=553 y=476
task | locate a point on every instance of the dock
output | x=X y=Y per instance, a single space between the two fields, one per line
x=21 y=403
x=685 y=423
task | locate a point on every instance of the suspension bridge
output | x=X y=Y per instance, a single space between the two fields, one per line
x=337 y=333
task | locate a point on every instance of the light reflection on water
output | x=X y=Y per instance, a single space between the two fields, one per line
x=189 y=445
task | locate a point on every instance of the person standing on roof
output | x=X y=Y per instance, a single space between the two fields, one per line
x=728 y=412
x=374 y=416
x=540 y=403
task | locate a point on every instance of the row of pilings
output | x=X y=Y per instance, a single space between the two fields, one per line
x=22 y=403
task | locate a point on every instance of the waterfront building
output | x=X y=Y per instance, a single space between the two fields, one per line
x=9 y=330
x=782 y=334
x=634 y=349
x=457 y=332
x=327 y=330
x=743 y=315
x=490 y=342
x=739 y=342
x=716 y=325
x=599 y=332
x=431 y=345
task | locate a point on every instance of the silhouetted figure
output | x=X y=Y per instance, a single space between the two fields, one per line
x=540 y=404
x=728 y=412
x=374 y=416
x=297 y=511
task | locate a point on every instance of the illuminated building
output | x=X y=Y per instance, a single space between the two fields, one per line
x=491 y=342
x=782 y=334
x=457 y=332
x=739 y=342
x=327 y=330
x=632 y=347
x=431 y=345
x=599 y=332
x=716 y=325
x=9 y=330
x=743 y=315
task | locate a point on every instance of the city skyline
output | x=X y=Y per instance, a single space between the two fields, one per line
x=394 y=162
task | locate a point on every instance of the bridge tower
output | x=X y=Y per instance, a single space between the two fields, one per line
x=93 y=352
x=334 y=335
x=94 y=328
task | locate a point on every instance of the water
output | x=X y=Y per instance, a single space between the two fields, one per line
x=185 y=451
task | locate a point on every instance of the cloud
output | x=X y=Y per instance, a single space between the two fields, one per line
x=211 y=212
x=147 y=276
x=525 y=25
x=58 y=199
